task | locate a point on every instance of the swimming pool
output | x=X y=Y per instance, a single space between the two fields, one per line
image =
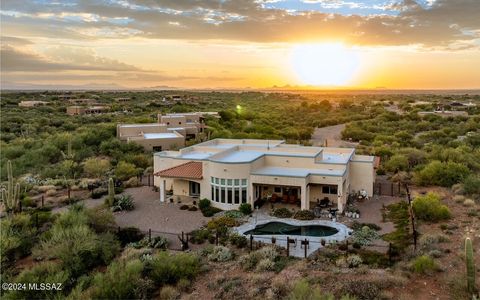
x=279 y=228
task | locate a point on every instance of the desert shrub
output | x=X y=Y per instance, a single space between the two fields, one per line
x=199 y=236
x=204 y=204
x=184 y=207
x=238 y=240
x=158 y=242
x=304 y=215
x=132 y=182
x=424 y=265
x=73 y=242
x=245 y=208
x=282 y=213
x=233 y=214
x=192 y=208
x=351 y=261
x=129 y=235
x=357 y=226
x=220 y=254
x=441 y=173
x=426 y=241
x=207 y=209
x=373 y=258
x=100 y=219
x=99 y=193
x=16 y=237
x=184 y=284
x=265 y=265
x=165 y=268
x=471 y=185
x=168 y=292
x=302 y=290
x=123 y=202
x=44 y=272
x=459 y=198
x=251 y=260
x=221 y=224
x=397 y=162
x=361 y=289
x=365 y=236
x=429 y=208
x=468 y=202
x=122 y=280
x=125 y=170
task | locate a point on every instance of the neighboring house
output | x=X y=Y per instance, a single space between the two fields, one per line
x=32 y=103
x=152 y=136
x=171 y=131
x=230 y=172
x=86 y=110
x=444 y=113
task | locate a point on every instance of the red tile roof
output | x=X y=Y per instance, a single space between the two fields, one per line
x=376 y=162
x=190 y=170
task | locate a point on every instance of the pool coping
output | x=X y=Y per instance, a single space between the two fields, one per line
x=343 y=233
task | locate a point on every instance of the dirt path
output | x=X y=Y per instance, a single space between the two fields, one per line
x=333 y=136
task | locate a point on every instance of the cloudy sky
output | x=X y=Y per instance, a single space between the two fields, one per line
x=419 y=44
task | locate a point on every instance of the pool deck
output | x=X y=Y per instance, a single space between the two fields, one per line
x=296 y=249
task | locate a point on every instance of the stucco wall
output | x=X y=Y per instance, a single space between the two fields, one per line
x=362 y=176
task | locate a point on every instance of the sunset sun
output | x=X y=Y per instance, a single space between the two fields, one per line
x=324 y=64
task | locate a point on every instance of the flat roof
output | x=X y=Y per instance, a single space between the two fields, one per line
x=249 y=150
x=142 y=125
x=296 y=172
x=163 y=135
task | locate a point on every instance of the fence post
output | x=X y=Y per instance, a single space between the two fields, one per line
x=306 y=244
x=251 y=242
x=150 y=235
x=43 y=200
x=288 y=246
x=186 y=241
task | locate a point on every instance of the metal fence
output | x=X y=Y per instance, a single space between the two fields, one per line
x=388 y=188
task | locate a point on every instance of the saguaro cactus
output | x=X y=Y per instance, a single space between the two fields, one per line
x=111 y=192
x=11 y=193
x=470 y=265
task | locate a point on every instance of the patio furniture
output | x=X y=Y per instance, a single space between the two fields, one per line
x=292 y=199
x=274 y=198
x=325 y=202
x=285 y=198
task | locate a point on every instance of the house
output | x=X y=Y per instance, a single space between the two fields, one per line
x=233 y=171
x=171 y=131
x=32 y=103
x=152 y=136
x=88 y=110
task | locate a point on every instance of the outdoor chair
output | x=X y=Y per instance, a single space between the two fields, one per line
x=325 y=202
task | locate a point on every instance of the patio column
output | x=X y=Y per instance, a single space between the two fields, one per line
x=303 y=198
x=251 y=195
x=162 y=190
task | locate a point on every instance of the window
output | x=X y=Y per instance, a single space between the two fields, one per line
x=330 y=189
x=230 y=191
x=157 y=148
x=277 y=189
